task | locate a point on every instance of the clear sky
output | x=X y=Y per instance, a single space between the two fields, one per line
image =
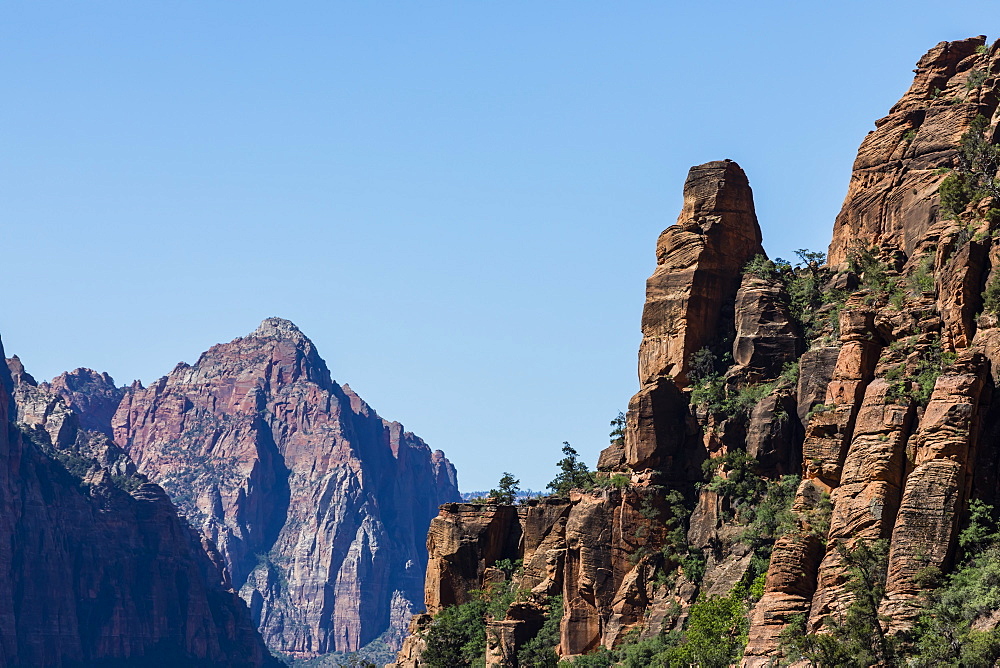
x=457 y=201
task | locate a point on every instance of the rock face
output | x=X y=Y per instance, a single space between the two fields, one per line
x=577 y=547
x=698 y=266
x=890 y=429
x=92 y=396
x=936 y=491
x=690 y=302
x=94 y=574
x=599 y=550
x=317 y=505
x=767 y=338
x=892 y=198
x=894 y=469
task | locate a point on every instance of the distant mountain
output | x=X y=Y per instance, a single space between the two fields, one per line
x=523 y=494
x=97 y=568
x=319 y=507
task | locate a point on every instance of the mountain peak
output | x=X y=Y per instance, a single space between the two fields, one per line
x=277 y=328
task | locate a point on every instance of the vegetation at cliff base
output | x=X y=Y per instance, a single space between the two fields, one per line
x=955 y=626
x=540 y=651
x=713 y=636
x=459 y=635
x=857 y=637
x=991 y=296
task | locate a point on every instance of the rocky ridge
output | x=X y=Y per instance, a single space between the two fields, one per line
x=317 y=505
x=858 y=393
x=98 y=567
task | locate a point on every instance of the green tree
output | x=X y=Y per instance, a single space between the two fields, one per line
x=804 y=283
x=506 y=490
x=573 y=474
x=760 y=267
x=540 y=651
x=976 y=175
x=702 y=366
x=991 y=296
x=617 y=434
x=857 y=638
x=457 y=636
x=812 y=260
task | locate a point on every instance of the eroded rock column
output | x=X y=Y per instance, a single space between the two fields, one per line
x=935 y=494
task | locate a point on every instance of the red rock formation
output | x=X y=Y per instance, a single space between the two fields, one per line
x=926 y=528
x=866 y=500
x=816 y=368
x=828 y=433
x=884 y=456
x=94 y=575
x=767 y=338
x=889 y=484
x=689 y=305
x=698 y=268
x=582 y=548
x=892 y=198
x=91 y=395
x=464 y=540
x=791 y=581
x=318 y=506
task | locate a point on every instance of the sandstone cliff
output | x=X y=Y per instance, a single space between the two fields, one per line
x=788 y=419
x=317 y=505
x=98 y=569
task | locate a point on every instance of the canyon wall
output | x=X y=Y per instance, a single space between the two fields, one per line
x=873 y=393
x=98 y=569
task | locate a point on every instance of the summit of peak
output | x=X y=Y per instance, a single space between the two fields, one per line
x=277 y=327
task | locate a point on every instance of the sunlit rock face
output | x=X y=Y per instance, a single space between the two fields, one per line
x=891 y=423
x=319 y=507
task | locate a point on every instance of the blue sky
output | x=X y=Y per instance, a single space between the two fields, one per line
x=457 y=201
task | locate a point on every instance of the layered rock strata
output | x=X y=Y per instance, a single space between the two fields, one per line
x=867 y=449
x=892 y=198
x=581 y=547
x=926 y=527
x=690 y=302
x=318 y=506
x=897 y=421
x=600 y=550
x=698 y=262
x=98 y=569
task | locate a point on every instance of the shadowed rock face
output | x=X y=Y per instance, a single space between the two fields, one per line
x=766 y=336
x=318 y=506
x=94 y=575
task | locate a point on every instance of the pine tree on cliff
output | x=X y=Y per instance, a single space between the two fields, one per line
x=573 y=474
x=507 y=489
